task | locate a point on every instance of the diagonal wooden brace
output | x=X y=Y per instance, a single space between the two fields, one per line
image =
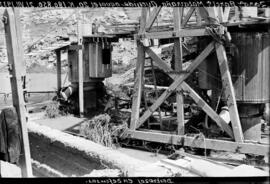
x=207 y=109
x=187 y=17
x=176 y=83
x=152 y=18
x=193 y=94
x=229 y=92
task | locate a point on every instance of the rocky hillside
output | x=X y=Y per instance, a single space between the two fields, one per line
x=41 y=29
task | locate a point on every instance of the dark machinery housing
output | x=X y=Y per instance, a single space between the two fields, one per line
x=97 y=66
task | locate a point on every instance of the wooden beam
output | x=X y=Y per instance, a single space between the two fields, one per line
x=138 y=86
x=178 y=12
x=80 y=66
x=187 y=17
x=58 y=66
x=229 y=92
x=220 y=122
x=15 y=59
x=176 y=34
x=193 y=94
x=201 y=142
x=143 y=19
x=155 y=88
x=176 y=83
x=19 y=37
x=157 y=59
x=152 y=17
x=207 y=109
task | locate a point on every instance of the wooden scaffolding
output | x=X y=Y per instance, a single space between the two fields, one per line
x=205 y=18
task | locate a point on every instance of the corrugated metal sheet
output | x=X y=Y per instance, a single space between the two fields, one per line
x=92 y=63
x=97 y=66
x=250 y=67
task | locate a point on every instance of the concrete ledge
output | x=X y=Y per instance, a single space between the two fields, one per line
x=43 y=138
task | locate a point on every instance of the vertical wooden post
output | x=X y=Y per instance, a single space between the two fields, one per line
x=58 y=66
x=138 y=85
x=178 y=13
x=80 y=66
x=15 y=59
x=19 y=37
x=155 y=88
x=229 y=92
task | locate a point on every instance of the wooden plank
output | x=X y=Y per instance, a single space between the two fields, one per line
x=187 y=17
x=207 y=143
x=138 y=86
x=178 y=12
x=229 y=92
x=176 y=83
x=80 y=67
x=176 y=34
x=152 y=17
x=15 y=57
x=207 y=109
x=58 y=69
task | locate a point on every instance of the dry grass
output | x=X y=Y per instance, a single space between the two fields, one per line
x=102 y=130
x=52 y=110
